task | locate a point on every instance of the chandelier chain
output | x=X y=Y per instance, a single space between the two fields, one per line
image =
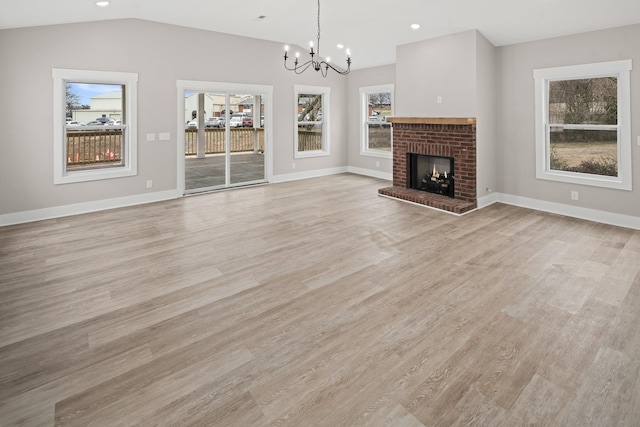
x=318 y=27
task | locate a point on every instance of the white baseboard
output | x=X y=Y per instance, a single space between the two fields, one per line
x=100 y=205
x=487 y=200
x=81 y=208
x=309 y=174
x=610 y=218
x=372 y=173
x=619 y=220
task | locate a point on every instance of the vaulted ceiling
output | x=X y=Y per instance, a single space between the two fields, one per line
x=371 y=29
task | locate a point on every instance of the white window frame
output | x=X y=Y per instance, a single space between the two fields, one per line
x=364 y=120
x=619 y=69
x=326 y=101
x=60 y=79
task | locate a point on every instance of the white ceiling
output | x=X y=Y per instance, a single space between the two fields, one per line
x=370 y=28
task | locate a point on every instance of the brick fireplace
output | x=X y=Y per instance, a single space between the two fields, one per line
x=447 y=137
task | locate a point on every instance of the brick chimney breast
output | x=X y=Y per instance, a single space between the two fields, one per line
x=436 y=136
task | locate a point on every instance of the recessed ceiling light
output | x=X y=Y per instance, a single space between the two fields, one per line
x=415 y=26
x=102 y=3
x=340 y=46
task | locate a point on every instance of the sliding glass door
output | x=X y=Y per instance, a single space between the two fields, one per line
x=204 y=154
x=224 y=139
x=246 y=134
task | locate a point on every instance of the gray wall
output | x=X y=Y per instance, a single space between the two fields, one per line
x=444 y=67
x=487 y=116
x=516 y=152
x=461 y=69
x=161 y=54
x=375 y=76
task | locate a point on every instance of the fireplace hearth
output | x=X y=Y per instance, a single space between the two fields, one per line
x=449 y=137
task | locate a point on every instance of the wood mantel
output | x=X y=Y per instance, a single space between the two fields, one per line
x=433 y=120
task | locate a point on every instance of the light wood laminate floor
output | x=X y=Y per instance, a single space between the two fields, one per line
x=317 y=302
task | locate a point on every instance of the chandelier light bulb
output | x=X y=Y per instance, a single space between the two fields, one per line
x=315 y=61
x=286 y=48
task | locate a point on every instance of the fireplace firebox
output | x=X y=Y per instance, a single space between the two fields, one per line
x=433 y=174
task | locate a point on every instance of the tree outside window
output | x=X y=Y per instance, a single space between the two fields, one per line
x=312 y=121
x=376 y=107
x=582 y=118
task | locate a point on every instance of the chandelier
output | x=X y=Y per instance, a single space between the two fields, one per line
x=316 y=61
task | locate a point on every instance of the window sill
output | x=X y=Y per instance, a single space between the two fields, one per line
x=374 y=153
x=307 y=154
x=617 y=183
x=93 y=175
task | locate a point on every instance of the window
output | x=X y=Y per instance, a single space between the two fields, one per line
x=94 y=125
x=376 y=104
x=583 y=133
x=311 y=137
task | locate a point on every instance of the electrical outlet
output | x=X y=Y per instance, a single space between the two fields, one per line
x=293 y=165
x=149 y=183
x=164 y=136
x=574 y=195
x=151 y=137
x=377 y=164
x=439 y=99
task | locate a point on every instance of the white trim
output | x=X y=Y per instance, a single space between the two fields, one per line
x=310 y=174
x=121 y=202
x=130 y=168
x=487 y=200
x=87 y=207
x=620 y=69
x=370 y=172
x=586 y=214
x=326 y=115
x=610 y=218
x=181 y=163
x=364 y=115
x=309 y=154
x=618 y=220
x=599 y=69
x=379 y=153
